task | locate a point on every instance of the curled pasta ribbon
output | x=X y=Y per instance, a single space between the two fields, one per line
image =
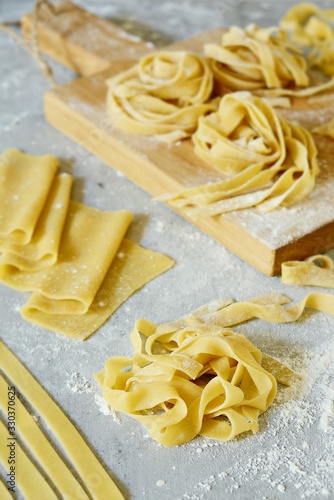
x=272 y=162
x=163 y=95
x=327 y=129
x=317 y=270
x=261 y=61
x=311 y=26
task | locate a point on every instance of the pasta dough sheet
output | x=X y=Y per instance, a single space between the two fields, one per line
x=132 y=268
x=42 y=251
x=31 y=483
x=20 y=176
x=88 y=246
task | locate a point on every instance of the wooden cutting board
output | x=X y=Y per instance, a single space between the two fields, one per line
x=98 y=49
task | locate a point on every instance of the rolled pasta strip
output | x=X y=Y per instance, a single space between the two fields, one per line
x=272 y=161
x=89 y=243
x=327 y=129
x=312 y=27
x=163 y=95
x=317 y=270
x=42 y=250
x=21 y=175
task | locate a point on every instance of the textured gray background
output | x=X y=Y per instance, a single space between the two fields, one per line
x=279 y=462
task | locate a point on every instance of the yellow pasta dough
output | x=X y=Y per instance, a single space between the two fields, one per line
x=259 y=59
x=310 y=26
x=327 y=129
x=317 y=270
x=271 y=161
x=195 y=376
x=163 y=95
x=31 y=483
x=132 y=268
x=90 y=241
x=20 y=176
x=42 y=250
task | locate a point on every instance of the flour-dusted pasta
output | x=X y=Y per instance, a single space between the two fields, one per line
x=42 y=250
x=90 y=241
x=317 y=270
x=260 y=60
x=132 y=268
x=271 y=162
x=163 y=95
x=20 y=176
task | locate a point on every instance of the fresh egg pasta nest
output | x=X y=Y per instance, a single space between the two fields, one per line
x=163 y=95
x=182 y=382
x=255 y=58
x=311 y=26
x=270 y=161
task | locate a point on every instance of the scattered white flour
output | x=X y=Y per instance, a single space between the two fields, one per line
x=106 y=409
x=288 y=466
x=77 y=383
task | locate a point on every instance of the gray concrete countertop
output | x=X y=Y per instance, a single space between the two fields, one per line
x=291 y=455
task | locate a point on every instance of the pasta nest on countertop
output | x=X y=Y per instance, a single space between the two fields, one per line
x=270 y=161
x=191 y=380
x=163 y=95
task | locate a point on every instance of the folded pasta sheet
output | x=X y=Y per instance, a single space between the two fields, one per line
x=42 y=251
x=25 y=182
x=89 y=244
x=132 y=268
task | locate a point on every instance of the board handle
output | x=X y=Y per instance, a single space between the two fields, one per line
x=81 y=40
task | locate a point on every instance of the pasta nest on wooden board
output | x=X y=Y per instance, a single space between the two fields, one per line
x=270 y=161
x=255 y=58
x=163 y=95
x=313 y=27
x=187 y=381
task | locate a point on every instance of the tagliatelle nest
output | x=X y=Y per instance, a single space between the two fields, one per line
x=210 y=383
x=313 y=27
x=163 y=95
x=255 y=58
x=271 y=161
